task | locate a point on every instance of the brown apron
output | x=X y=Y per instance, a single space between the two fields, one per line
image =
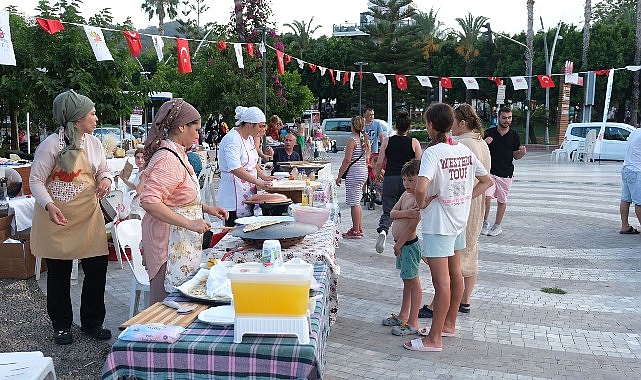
x=75 y=195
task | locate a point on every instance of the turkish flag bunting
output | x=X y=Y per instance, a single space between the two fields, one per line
x=602 y=72
x=546 y=81
x=50 y=26
x=360 y=75
x=346 y=77
x=184 y=60
x=222 y=45
x=288 y=59
x=331 y=75
x=133 y=41
x=401 y=81
x=496 y=80
x=312 y=67
x=250 y=49
x=446 y=82
x=280 y=63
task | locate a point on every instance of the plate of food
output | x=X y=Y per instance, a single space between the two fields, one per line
x=264 y=218
x=196 y=287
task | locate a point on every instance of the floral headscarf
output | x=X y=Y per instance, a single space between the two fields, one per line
x=172 y=114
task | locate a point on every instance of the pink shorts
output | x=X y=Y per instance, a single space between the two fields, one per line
x=500 y=189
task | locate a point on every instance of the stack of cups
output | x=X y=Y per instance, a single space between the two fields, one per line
x=272 y=257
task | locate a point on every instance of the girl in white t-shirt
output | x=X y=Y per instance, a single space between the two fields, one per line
x=444 y=190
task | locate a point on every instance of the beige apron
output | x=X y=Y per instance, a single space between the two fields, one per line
x=75 y=195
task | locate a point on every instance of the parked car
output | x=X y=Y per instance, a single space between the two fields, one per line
x=614 y=142
x=102 y=132
x=339 y=129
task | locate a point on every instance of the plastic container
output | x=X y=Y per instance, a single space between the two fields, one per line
x=271 y=258
x=311 y=215
x=260 y=294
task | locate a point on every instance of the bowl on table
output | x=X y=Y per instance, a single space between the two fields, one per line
x=311 y=215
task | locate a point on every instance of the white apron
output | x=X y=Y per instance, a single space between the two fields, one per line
x=242 y=188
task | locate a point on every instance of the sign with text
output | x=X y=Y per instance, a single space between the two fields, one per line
x=500 y=94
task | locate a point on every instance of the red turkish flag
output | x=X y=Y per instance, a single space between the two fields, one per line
x=401 y=82
x=184 y=60
x=346 y=77
x=446 y=82
x=602 y=72
x=250 y=49
x=50 y=26
x=312 y=67
x=545 y=81
x=222 y=45
x=331 y=75
x=360 y=75
x=133 y=41
x=288 y=59
x=496 y=80
x=280 y=63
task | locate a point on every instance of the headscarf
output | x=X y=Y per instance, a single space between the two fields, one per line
x=69 y=107
x=172 y=114
x=249 y=115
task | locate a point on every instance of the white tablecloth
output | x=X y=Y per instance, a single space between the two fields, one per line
x=22 y=209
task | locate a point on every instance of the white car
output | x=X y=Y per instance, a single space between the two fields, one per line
x=339 y=129
x=615 y=139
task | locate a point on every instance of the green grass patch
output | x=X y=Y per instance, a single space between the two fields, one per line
x=553 y=290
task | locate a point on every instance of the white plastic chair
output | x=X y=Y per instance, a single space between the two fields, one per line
x=585 y=150
x=560 y=154
x=26 y=366
x=208 y=191
x=129 y=234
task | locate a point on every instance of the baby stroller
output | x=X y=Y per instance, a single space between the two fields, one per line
x=371 y=187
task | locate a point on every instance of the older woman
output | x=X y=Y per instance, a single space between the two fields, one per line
x=240 y=174
x=68 y=175
x=173 y=226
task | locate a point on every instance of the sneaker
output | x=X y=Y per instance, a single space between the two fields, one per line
x=380 y=242
x=486 y=228
x=425 y=312
x=99 y=333
x=63 y=337
x=351 y=234
x=495 y=230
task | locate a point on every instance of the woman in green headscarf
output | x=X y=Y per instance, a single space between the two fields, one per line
x=68 y=176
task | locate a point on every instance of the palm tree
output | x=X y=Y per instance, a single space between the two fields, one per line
x=429 y=33
x=161 y=8
x=587 y=14
x=635 y=78
x=468 y=37
x=302 y=34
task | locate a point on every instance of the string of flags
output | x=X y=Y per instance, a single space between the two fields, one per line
x=102 y=53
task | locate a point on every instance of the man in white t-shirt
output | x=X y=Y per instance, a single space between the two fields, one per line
x=374 y=130
x=631 y=183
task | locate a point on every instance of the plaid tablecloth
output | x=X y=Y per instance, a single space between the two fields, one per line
x=316 y=248
x=208 y=351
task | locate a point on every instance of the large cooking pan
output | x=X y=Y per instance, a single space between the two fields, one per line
x=288 y=233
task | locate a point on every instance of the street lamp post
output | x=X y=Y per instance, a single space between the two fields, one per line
x=529 y=55
x=548 y=71
x=360 y=65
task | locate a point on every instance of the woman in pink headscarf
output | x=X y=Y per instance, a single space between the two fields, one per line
x=173 y=226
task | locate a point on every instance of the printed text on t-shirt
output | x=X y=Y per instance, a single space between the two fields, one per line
x=457 y=166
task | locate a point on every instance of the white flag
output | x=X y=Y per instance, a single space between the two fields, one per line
x=238 y=48
x=424 y=80
x=7 y=56
x=300 y=63
x=97 y=41
x=471 y=83
x=351 y=79
x=338 y=75
x=519 y=83
x=322 y=70
x=572 y=78
x=606 y=108
x=380 y=78
x=261 y=48
x=159 y=44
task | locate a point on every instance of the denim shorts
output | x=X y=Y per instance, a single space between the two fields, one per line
x=442 y=245
x=410 y=259
x=631 y=186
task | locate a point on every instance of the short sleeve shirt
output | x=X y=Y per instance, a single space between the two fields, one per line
x=502 y=150
x=373 y=131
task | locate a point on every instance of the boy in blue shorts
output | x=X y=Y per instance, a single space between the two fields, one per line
x=406 y=216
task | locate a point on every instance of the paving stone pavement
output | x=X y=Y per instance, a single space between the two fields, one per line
x=560 y=230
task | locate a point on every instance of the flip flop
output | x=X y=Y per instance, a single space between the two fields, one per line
x=630 y=231
x=424 y=331
x=417 y=345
